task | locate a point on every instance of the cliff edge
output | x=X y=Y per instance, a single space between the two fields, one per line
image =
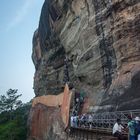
x=94 y=45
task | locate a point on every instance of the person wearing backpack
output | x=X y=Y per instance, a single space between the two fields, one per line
x=137 y=128
x=131 y=127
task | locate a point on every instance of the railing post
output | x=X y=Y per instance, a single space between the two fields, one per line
x=78 y=133
x=87 y=135
x=83 y=135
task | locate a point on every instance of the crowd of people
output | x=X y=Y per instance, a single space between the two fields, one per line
x=87 y=121
x=133 y=129
x=119 y=129
x=78 y=103
x=82 y=121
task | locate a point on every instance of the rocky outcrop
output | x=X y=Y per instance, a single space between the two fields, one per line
x=49 y=100
x=93 y=44
x=50 y=114
x=100 y=40
x=46 y=123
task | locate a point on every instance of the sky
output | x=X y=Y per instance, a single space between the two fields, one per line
x=18 y=21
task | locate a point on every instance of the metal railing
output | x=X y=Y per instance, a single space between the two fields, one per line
x=106 y=120
x=102 y=124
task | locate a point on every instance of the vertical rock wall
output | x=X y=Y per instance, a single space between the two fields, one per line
x=101 y=41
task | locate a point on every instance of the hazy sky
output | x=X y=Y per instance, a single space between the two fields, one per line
x=18 y=21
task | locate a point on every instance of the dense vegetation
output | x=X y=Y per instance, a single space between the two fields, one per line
x=13 y=116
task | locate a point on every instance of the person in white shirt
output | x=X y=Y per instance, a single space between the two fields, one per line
x=117 y=130
x=90 y=120
x=72 y=121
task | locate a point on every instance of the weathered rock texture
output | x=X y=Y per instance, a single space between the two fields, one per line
x=101 y=40
x=46 y=123
x=49 y=100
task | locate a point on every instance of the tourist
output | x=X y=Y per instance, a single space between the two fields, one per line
x=90 y=120
x=137 y=128
x=117 y=130
x=72 y=121
x=131 y=127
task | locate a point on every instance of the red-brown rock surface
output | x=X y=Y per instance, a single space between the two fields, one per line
x=45 y=123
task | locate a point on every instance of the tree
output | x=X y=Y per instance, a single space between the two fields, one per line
x=10 y=101
x=13 y=116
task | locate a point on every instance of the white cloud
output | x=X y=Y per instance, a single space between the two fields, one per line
x=20 y=14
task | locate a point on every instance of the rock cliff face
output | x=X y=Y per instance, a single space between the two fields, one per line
x=93 y=44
